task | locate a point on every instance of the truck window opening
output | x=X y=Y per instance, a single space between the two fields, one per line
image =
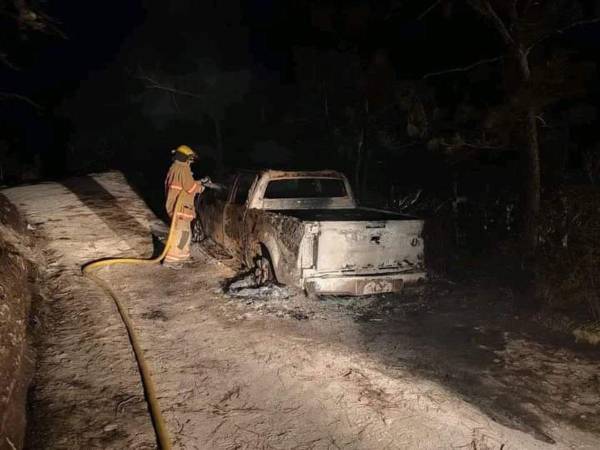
x=306 y=188
x=244 y=185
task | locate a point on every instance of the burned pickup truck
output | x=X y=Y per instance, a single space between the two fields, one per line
x=305 y=229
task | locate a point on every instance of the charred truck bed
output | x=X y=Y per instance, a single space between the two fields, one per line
x=307 y=227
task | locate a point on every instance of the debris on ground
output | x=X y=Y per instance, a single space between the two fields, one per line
x=269 y=291
x=155 y=314
x=246 y=287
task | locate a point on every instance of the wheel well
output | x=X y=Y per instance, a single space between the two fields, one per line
x=264 y=251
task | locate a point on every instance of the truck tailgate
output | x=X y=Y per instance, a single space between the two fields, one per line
x=369 y=246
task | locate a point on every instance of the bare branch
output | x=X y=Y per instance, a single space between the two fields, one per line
x=513 y=14
x=153 y=84
x=13 y=96
x=527 y=6
x=472 y=145
x=408 y=200
x=428 y=10
x=561 y=31
x=174 y=100
x=542 y=121
x=465 y=68
x=498 y=24
x=4 y=60
x=484 y=8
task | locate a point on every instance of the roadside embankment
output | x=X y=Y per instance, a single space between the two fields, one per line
x=17 y=292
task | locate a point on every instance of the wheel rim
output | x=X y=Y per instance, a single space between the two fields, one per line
x=262 y=271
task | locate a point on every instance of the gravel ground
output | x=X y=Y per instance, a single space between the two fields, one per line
x=439 y=366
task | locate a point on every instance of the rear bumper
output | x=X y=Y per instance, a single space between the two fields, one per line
x=362 y=284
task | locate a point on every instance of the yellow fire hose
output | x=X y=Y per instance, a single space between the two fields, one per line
x=160 y=428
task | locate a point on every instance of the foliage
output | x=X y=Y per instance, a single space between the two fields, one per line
x=19 y=19
x=591 y=164
x=206 y=89
x=570 y=250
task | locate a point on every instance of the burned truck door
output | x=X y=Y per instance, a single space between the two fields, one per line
x=235 y=212
x=210 y=208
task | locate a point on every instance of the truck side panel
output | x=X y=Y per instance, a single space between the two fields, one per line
x=282 y=236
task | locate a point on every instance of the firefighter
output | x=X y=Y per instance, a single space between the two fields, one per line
x=180 y=182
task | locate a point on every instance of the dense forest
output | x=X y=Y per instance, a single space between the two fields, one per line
x=480 y=115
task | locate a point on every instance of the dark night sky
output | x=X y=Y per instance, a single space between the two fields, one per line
x=96 y=31
x=101 y=37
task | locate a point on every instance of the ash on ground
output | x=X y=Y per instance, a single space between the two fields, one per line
x=247 y=288
x=269 y=299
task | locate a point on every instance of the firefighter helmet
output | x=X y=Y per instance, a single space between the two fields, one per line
x=186 y=151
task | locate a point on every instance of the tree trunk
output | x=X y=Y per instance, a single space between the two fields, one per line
x=532 y=152
x=533 y=185
x=365 y=171
x=358 y=161
x=526 y=109
x=360 y=169
x=219 y=142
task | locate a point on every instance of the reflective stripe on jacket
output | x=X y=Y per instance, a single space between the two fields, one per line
x=180 y=181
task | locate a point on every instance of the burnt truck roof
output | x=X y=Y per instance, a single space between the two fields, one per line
x=268 y=175
x=302 y=173
x=276 y=173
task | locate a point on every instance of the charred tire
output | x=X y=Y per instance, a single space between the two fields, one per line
x=310 y=292
x=263 y=269
x=198 y=234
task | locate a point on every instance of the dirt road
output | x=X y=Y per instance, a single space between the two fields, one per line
x=432 y=368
